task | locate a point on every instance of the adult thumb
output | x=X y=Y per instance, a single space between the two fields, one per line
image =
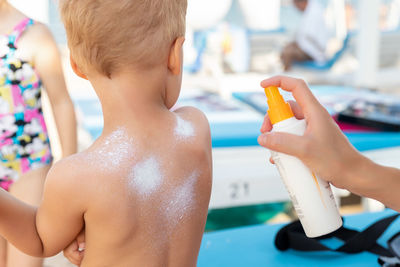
x=283 y=142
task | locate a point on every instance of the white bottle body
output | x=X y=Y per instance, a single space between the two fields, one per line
x=312 y=197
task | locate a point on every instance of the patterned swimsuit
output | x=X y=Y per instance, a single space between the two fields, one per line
x=24 y=143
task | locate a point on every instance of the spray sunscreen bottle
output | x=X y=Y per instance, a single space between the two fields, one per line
x=312 y=197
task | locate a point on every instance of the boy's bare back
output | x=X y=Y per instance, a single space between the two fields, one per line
x=141 y=191
x=146 y=189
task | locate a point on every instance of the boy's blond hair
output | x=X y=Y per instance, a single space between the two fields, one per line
x=108 y=34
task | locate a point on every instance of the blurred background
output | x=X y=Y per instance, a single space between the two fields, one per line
x=347 y=50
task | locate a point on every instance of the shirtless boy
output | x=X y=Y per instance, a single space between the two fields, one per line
x=141 y=191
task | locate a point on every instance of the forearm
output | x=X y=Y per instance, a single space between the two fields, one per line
x=18 y=225
x=375 y=181
x=66 y=126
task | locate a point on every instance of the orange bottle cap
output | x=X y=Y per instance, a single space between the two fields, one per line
x=278 y=108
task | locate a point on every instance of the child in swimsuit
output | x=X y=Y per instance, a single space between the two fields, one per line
x=24 y=143
x=25 y=154
x=141 y=191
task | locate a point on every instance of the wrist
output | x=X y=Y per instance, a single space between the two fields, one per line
x=356 y=176
x=361 y=177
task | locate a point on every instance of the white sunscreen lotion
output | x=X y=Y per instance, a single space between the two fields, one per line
x=312 y=197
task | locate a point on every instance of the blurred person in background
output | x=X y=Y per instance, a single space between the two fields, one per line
x=311 y=38
x=29 y=58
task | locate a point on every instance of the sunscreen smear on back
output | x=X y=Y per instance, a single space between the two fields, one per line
x=312 y=197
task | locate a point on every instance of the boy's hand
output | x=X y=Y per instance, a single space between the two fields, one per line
x=76 y=250
x=323 y=147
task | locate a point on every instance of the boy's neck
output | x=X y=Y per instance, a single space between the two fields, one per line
x=130 y=97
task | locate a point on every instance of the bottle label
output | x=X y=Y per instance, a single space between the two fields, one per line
x=281 y=169
x=312 y=197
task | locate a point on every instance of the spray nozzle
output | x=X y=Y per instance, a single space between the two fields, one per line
x=278 y=108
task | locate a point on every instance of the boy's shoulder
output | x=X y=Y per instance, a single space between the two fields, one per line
x=195 y=152
x=194 y=116
x=193 y=130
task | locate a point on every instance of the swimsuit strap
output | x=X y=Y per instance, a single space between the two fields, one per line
x=19 y=29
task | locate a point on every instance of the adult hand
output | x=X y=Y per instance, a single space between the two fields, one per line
x=76 y=250
x=323 y=147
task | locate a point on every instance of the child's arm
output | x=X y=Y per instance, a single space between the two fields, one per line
x=76 y=250
x=47 y=62
x=45 y=231
x=325 y=149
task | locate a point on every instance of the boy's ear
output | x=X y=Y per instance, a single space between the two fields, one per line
x=175 y=59
x=76 y=69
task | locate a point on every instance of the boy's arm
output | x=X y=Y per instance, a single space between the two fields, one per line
x=325 y=149
x=45 y=231
x=76 y=250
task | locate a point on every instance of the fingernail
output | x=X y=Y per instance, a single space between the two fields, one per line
x=82 y=246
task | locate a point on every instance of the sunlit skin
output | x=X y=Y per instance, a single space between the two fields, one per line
x=128 y=219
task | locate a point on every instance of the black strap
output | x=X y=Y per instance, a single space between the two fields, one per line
x=293 y=236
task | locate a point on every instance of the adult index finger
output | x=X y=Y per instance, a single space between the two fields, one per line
x=303 y=95
x=298 y=113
